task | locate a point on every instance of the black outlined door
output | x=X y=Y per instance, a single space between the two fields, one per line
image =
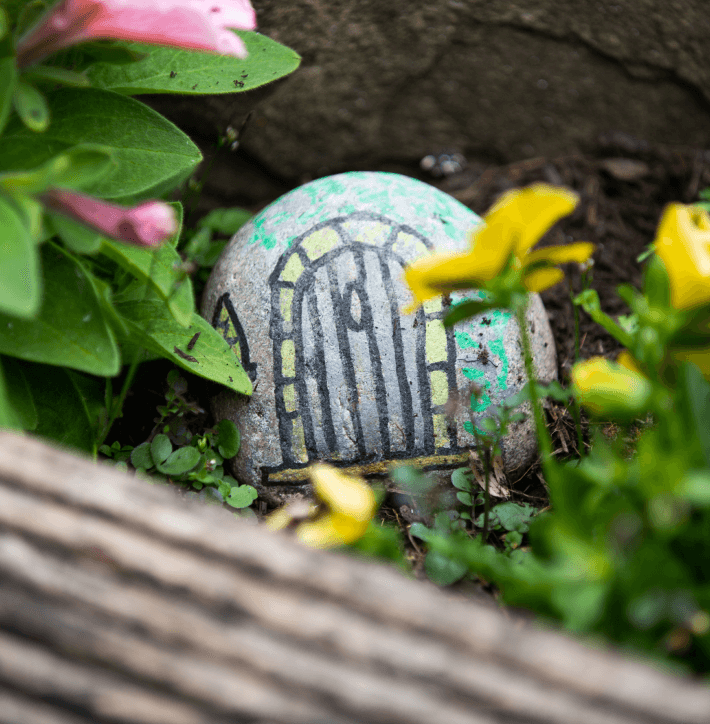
x=355 y=381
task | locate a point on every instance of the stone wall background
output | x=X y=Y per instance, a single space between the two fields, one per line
x=385 y=83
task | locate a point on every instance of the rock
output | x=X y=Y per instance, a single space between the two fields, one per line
x=497 y=80
x=310 y=295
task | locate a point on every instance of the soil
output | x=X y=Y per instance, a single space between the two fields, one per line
x=623 y=186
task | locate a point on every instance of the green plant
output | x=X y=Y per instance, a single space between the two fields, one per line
x=174 y=453
x=87 y=289
x=624 y=550
x=200 y=247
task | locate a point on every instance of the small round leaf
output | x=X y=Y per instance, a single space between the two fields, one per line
x=160 y=448
x=242 y=496
x=141 y=459
x=228 y=439
x=179 y=462
x=461 y=478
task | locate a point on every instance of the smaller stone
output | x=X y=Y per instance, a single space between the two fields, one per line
x=310 y=295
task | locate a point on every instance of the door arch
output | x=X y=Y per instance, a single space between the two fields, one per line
x=355 y=381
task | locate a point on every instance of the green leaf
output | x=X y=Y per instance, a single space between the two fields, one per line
x=162 y=269
x=695 y=389
x=19 y=394
x=173 y=70
x=152 y=327
x=93 y=393
x=23 y=14
x=513 y=516
x=461 y=479
x=513 y=538
x=8 y=416
x=656 y=284
x=151 y=154
x=85 y=166
x=228 y=439
x=443 y=570
x=76 y=236
x=225 y=221
x=141 y=459
x=464 y=310
x=20 y=284
x=589 y=301
x=695 y=488
x=419 y=530
x=78 y=168
x=100 y=51
x=465 y=498
x=31 y=106
x=384 y=541
x=70 y=329
x=62 y=409
x=180 y=462
x=160 y=449
x=53 y=74
x=241 y=496
x=8 y=78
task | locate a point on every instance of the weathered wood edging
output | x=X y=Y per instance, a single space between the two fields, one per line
x=121 y=602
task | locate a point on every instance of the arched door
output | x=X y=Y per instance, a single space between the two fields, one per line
x=355 y=381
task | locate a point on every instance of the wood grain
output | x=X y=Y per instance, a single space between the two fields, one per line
x=122 y=602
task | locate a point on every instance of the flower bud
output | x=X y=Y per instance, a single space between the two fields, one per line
x=148 y=224
x=608 y=389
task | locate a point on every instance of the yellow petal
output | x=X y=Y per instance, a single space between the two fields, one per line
x=700 y=218
x=683 y=244
x=294 y=511
x=530 y=212
x=331 y=530
x=441 y=273
x=578 y=252
x=541 y=279
x=607 y=388
x=279 y=519
x=626 y=360
x=319 y=533
x=491 y=245
x=345 y=495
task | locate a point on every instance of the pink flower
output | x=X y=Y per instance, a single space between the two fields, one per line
x=195 y=24
x=147 y=224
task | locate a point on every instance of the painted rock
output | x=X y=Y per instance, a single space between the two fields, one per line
x=310 y=295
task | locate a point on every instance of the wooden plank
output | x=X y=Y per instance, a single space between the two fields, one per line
x=121 y=601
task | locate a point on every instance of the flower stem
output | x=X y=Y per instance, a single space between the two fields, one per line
x=543 y=435
x=576 y=412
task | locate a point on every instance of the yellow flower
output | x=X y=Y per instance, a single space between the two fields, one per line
x=614 y=389
x=513 y=226
x=683 y=244
x=347 y=506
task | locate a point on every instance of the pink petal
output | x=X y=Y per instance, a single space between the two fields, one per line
x=147 y=224
x=192 y=24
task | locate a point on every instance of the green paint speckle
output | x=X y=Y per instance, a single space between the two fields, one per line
x=464 y=339
x=497 y=347
x=478 y=376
